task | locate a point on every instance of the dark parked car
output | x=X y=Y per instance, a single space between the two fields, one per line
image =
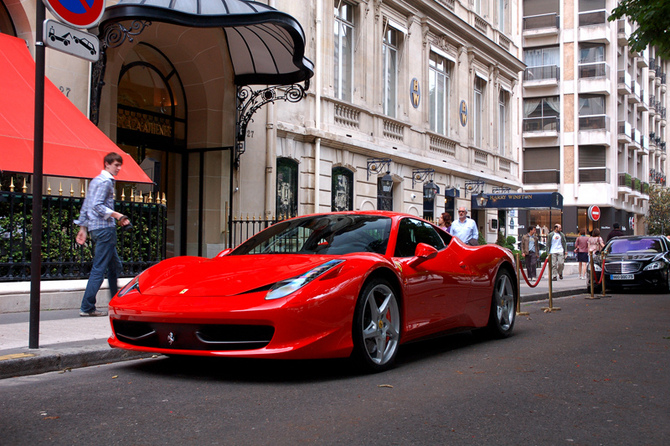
x=637 y=260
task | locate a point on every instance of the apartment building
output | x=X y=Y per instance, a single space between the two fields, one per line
x=593 y=115
x=413 y=108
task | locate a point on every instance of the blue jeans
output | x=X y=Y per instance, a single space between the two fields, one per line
x=105 y=259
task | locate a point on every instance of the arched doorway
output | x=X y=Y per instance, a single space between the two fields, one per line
x=151 y=126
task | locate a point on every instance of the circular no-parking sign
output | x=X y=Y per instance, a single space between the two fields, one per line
x=594 y=213
x=78 y=13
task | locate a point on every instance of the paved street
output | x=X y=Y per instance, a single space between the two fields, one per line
x=595 y=372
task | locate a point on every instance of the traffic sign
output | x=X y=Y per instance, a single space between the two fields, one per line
x=594 y=213
x=78 y=13
x=70 y=40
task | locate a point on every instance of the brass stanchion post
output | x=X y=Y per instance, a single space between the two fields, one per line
x=592 y=275
x=518 y=286
x=551 y=307
x=603 y=276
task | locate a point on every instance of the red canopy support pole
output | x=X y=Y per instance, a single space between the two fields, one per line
x=36 y=255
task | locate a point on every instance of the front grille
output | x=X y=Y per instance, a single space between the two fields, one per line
x=622 y=267
x=219 y=337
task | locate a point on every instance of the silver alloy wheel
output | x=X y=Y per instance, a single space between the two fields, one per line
x=503 y=295
x=380 y=324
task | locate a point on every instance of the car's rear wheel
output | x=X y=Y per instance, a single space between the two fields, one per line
x=503 y=306
x=376 y=329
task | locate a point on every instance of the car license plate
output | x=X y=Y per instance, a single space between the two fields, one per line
x=621 y=277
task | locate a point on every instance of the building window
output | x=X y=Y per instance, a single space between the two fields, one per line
x=390 y=68
x=541 y=114
x=592 y=164
x=592 y=112
x=344 y=51
x=542 y=63
x=501 y=15
x=478 y=112
x=592 y=12
x=287 y=188
x=541 y=165
x=342 y=189
x=592 y=61
x=539 y=14
x=503 y=100
x=439 y=79
x=384 y=196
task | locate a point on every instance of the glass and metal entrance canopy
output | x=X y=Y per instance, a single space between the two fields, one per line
x=518 y=200
x=267 y=46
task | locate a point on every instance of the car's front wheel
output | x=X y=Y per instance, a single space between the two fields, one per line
x=503 y=306
x=376 y=329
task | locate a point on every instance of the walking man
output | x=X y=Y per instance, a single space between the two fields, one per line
x=98 y=218
x=465 y=228
x=530 y=248
x=557 y=250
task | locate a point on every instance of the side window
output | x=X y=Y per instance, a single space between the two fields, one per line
x=412 y=232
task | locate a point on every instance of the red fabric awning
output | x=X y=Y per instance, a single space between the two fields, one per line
x=73 y=145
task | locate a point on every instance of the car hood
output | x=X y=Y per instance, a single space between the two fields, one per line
x=223 y=276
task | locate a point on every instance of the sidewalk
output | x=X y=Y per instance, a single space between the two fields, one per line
x=68 y=341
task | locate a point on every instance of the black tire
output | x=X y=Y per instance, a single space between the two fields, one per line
x=503 y=305
x=376 y=327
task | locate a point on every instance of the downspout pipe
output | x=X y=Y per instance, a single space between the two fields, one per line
x=317 y=105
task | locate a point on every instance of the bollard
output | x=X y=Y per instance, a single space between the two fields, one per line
x=551 y=307
x=518 y=287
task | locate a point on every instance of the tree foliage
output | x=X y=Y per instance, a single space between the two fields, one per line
x=658 y=216
x=653 y=20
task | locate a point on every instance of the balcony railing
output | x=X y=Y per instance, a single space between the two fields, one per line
x=550 y=20
x=625 y=129
x=546 y=124
x=594 y=122
x=598 y=17
x=594 y=175
x=545 y=72
x=625 y=180
x=594 y=70
x=542 y=176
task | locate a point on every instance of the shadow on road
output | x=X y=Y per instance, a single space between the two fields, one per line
x=296 y=371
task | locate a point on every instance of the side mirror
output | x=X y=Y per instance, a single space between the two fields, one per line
x=224 y=252
x=423 y=252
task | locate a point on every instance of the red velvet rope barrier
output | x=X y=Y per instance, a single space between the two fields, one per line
x=537 y=282
x=602 y=274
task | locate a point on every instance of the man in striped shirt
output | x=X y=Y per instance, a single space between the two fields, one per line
x=98 y=218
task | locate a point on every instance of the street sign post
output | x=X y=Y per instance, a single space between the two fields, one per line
x=81 y=14
x=70 y=40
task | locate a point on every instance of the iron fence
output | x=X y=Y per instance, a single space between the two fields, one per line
x=62 y=257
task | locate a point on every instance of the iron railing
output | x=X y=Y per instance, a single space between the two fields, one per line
x=62 y=257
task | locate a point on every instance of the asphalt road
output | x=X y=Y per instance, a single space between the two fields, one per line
x=596 y=372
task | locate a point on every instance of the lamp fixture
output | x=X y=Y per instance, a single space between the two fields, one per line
x=482 y=199
x=430 y=190
x=378 y=165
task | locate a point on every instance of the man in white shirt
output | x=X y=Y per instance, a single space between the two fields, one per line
x=465 y=228
x=557 y=249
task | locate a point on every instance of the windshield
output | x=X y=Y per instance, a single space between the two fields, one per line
x=634 y=245
x=322 y=234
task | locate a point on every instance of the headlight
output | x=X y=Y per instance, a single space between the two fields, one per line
x=654 y=266
x=288 y=286
x=132 y=285
x=597 y=267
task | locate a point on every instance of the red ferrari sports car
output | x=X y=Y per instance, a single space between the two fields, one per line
x=320 y=286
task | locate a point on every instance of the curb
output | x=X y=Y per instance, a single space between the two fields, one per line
x=37 y=361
